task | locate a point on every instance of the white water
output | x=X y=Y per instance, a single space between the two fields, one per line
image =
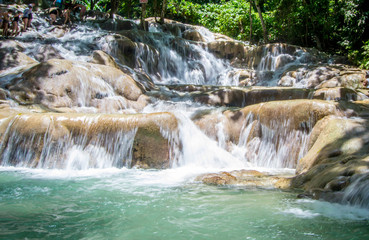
x=167 y=59
x=307 y=208
x=276 y=61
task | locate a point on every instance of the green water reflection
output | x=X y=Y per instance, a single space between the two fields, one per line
x=120 y=206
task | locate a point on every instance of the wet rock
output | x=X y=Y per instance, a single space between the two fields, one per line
x=246 y=77
x=324 y=76
x=68 y=84
x=246 y=178
x=101 y=132
x=337 y=184
x=57 y=32
x=124 y=49
x=3 y=94
x=336 y=160
x=47 y=52
x=117 y=25
x=287 y=81
x=230 y=50
x=241 y=97
x=193 y=35
x=338 y=94
x=11 y=56
x=333 y=134
x=101 y=57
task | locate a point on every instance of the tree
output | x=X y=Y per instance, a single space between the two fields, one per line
x=250 y=14
x=114 y=7
x=163 y=9
x=265 y=34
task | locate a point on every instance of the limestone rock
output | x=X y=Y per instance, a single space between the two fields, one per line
x=62 y=83
x=336 y=167
x=246 y=178
x=124 y=49
x=117 y=25
x=47 y=52
x=241 y=97
x=334 y=138
x=46 y=139
x=338 y=94
x=11 y=56
x=324 y=76
x=193 y=35
x=101 y=57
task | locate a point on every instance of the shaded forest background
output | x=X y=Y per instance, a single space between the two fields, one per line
x=335 y=26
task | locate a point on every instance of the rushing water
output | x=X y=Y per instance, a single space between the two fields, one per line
x=144 y=204
x=90 y=195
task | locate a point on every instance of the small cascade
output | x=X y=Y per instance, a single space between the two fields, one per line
x=273 y=146
x=55 y=147
x=173 y=60
x=275 y=61
x=200 y=151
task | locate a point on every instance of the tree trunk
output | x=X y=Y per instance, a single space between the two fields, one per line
x=114 y=7
x=143 y=14
x=128 y=8
x=155 y=7
x=256 y=2
x=250 y=40
x=163 y=9
x=92 y=4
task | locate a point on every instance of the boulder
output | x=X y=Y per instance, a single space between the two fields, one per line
x=117 y=24
x=246 y=178
x=333 y=139
x=122 y=48
x=11 y=56
x=101 y=57
x=47 y=52
x=193 y=35
x=67 y=84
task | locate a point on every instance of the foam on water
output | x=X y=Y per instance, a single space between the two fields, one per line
x=307 y=208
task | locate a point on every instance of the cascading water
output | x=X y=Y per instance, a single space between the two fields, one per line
x=273 y=147
x=178 y=61
x=73 y=174
x=275 y=60
x=75 y=150
x=170 y=59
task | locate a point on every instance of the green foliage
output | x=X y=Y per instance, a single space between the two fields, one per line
x=98 y=4
x=337 y=26
x=227 y=17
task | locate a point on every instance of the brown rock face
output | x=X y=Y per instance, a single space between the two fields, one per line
x=337 y=158
x=247 y=178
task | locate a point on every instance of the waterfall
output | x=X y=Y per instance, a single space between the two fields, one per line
x=165 y=57
x=273 y=146
x=71 y=150
x=178 y=61
x=200 y=151
x=276 y=59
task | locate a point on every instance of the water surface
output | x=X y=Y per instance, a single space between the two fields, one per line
x=168 y=204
